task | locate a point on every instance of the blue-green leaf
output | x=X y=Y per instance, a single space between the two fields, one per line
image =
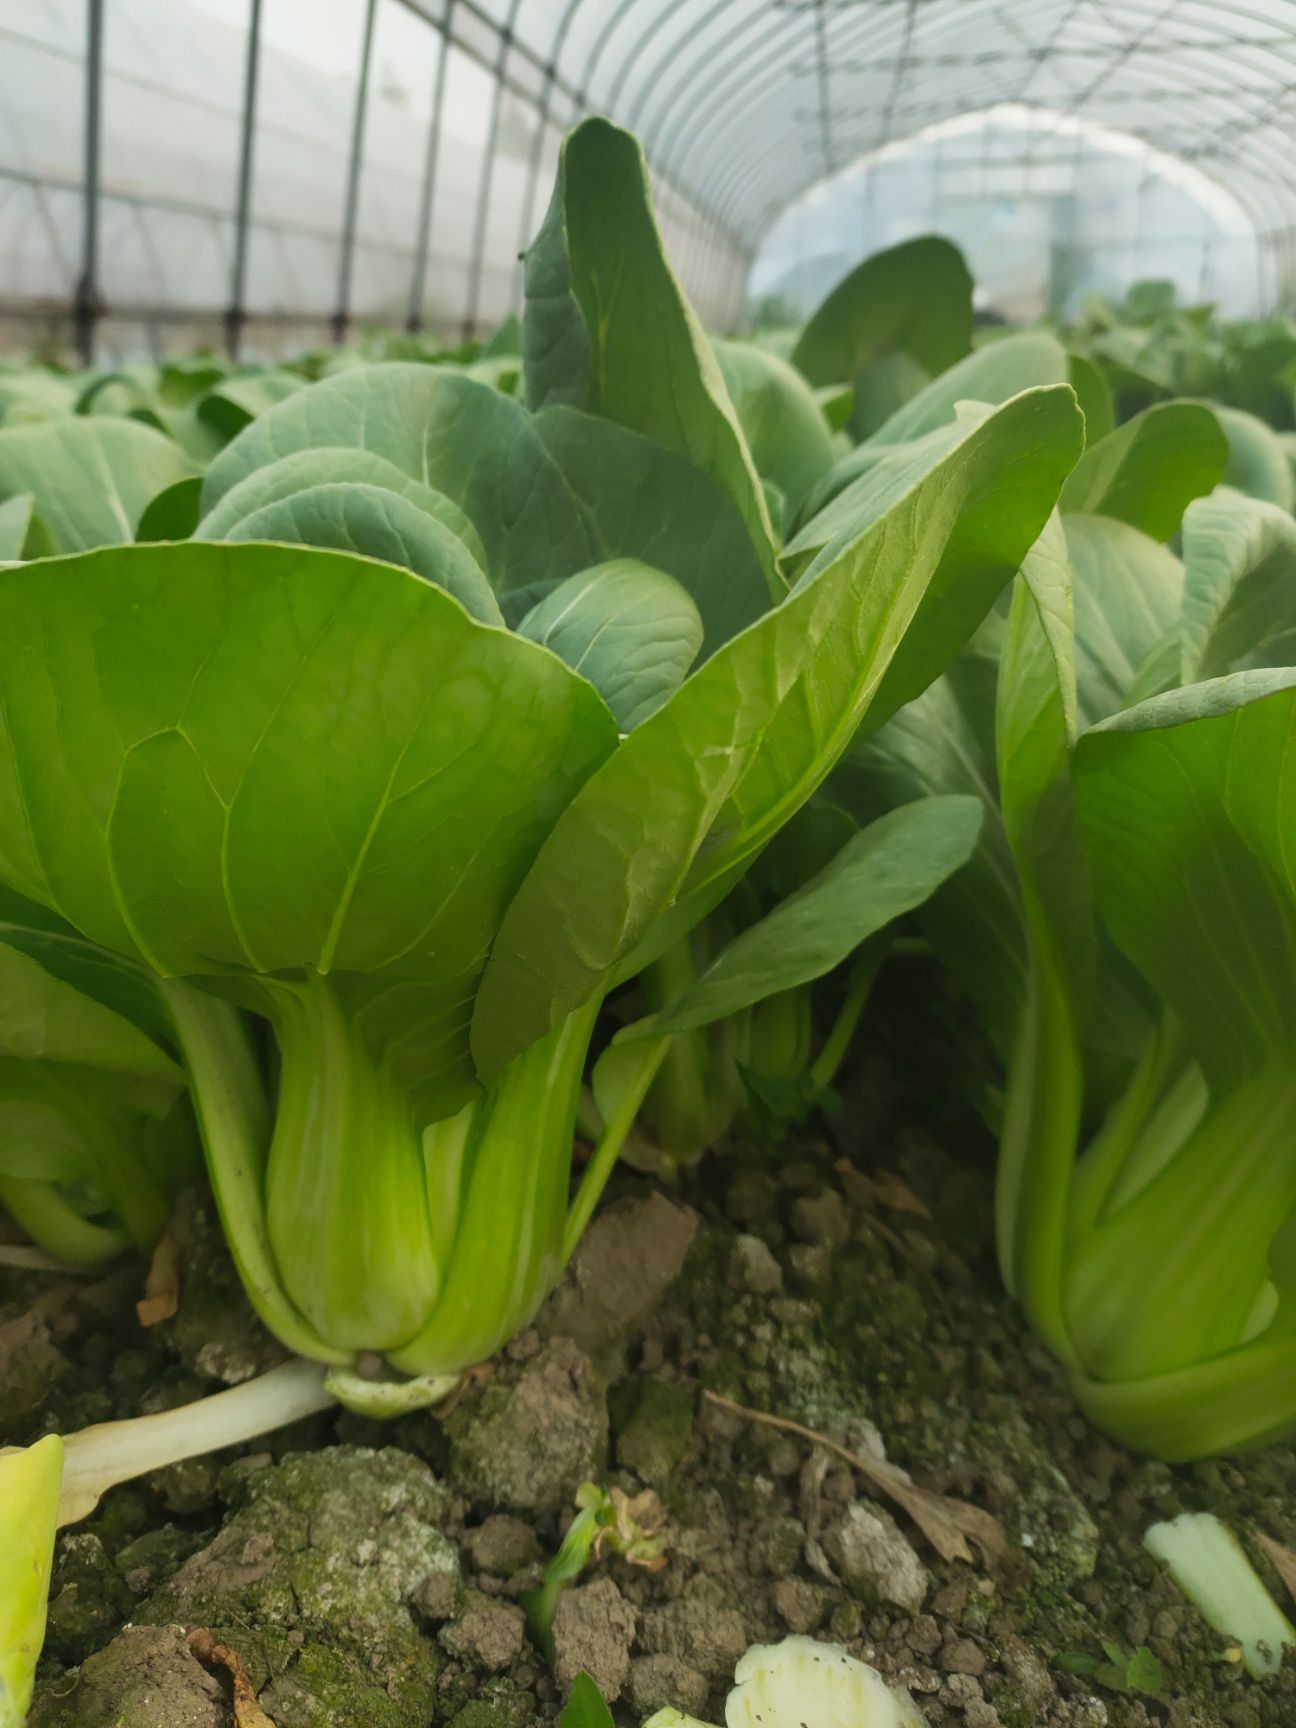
x=630 y=630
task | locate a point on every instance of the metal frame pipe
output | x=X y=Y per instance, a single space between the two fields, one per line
x=237 y=313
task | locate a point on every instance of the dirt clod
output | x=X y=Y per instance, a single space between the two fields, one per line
x=664 y=1682
x=627 y=1259
x=875 y=1559
x=702 y=1628
x=653 y=1440
x=752 y=1267
x=526 y=1444
x=593 y=1630
x=488 y=1634
x=822 y=1219
x=147 y=1677
x=502 y=1545
x=962 y=1656
x=313 y=1579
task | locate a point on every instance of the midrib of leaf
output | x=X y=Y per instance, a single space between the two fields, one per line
x=332 y=936
x=303 y=659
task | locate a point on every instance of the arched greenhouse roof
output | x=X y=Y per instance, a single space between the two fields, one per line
x=289 y=166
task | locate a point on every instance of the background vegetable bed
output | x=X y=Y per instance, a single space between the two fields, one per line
x=731 y=707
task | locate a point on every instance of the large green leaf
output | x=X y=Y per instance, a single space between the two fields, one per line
x=630 y=630
x=1035 y=722
x=1150 y=469
x=173 y=514
x=700 y=786
x=942 y=743
x=90 y=479
x=991 y=374
x=547 y=494
x=230 y=405
x=87 y=1156
x=15 y=522
x=45 y=1019
x=1128 y=590
x=1200 y=891
x=1257 y=462
x=126 y=986
x=609 y=330
x=1239 y=596
x=1189 y=810
x=32 y=393
x=913 y=301
x=866 y=482
x=234 y=758
x=882 y=872
x=376 y=524
x=637 y=499
x=785 y=428
x=1094 y=396
x=325 y=467
x=450 y=433
x=992 y=547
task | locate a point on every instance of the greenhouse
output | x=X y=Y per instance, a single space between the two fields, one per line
x=647 y=864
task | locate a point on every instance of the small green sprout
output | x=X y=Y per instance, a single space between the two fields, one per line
x=1123 y=1671
x=605 y=1519
x=585 y=1707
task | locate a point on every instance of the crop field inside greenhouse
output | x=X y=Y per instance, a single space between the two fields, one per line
x=647 y=864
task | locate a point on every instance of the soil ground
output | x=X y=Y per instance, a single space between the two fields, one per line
x=369 y=1576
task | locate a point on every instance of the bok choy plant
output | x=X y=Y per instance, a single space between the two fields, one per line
x=1127 y=927
x=421 y=815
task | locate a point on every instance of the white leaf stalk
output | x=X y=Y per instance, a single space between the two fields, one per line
x=97 y=1459
x=57 y=1482
x=1209 y=1565
x=61 y=1481
x=800 y=1682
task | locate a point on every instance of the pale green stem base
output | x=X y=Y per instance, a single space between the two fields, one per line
x=97 y=1459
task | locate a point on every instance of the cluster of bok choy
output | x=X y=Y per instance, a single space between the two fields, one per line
x=366 y=727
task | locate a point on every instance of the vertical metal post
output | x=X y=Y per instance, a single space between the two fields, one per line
x=526 y=233
x=236 y=316
x=342 y=316
x=472 y=298
x=87 y=306
x=414 y=319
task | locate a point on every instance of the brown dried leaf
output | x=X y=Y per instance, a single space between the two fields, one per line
x=162 y=1286
x=898 y=1195
x=247 y=1712
x=948 y=1524
x=1284 y=1560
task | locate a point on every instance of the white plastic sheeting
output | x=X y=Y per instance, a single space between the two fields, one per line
x=743 y=106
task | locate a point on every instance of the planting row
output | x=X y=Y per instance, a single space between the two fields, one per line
x=418 y=768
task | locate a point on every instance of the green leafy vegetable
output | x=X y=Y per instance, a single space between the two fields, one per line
x=90 y=480
x=367 y=519
x=894 y=322
x=631 y=631
x=608 y=330
x=1149 y=470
